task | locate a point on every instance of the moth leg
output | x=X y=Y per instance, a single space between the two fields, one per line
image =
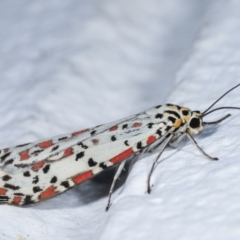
x=117 y=174
x=217 y=121
x=174 y=141
x=157 y=147
x=163 y=146
x=195 y=143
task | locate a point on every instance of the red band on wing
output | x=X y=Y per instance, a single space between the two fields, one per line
x=113 y=128
x=68 y=152
x=3 y=191
x=45 y=144
x=82 y=177
x=137 y=124
x=16 y=200
x=47 y=193
x=37 y=166
x=151 y=139
x=24 y=155
x=127 y=153
x=79 y=132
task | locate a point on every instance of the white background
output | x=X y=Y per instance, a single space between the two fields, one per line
x=68 y=65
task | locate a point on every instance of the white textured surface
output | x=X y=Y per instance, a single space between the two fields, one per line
x=69 y=65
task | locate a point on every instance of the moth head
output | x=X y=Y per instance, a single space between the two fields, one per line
x=193 y=120
x=195 y=123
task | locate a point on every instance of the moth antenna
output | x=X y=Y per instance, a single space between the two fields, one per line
x=206 y=111
x=216 y=109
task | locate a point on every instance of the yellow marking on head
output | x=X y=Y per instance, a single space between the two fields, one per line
x=186 y=118
x=177 y=123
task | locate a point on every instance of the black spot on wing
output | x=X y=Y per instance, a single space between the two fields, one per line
x=18 y=194
x=55 y=148
x=22 y=145
x=172 y=119
x=159 y=133
x=139 y=145
x=5 y=156
x=126 y=143
x=158 y=106
x=6 y=178
x=159 y=115
x=53 y=180
x=28 y=200
x=35 y=180
x=63 y=138
x=93 y=132
x=26 y=174
x=10 y=186
x=37 y=189
x=8 y=162
x=46 y=168
x=124 y=126
x=79 y=156
x=65 y=184
x=91 y=162
x=113 y=138
x=4 y=198
x=21 y=165
x=103 y=165
x=36 y=152
x=150 y=125
x=82 y=145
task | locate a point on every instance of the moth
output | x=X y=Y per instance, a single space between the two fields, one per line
x=37 y=171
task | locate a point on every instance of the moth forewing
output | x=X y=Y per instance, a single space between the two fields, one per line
x=60 y=165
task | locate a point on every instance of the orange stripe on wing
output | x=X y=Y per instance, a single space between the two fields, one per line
x=137 y=124
x=49 y=192
x=37 y=165
x=113 y=128
x=3 y=191
x=68 y=152
x=79 y=132
x=82 y=177
x=151 y=139
x=45 y=144
x=24 y=155
x=16 y=200
x=127 y=153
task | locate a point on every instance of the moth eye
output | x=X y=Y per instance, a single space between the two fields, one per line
x=185 y=112
x=194 y=123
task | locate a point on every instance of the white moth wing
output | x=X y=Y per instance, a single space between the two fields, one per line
x=67 y=169
x=77 y=159
x=28 y=154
